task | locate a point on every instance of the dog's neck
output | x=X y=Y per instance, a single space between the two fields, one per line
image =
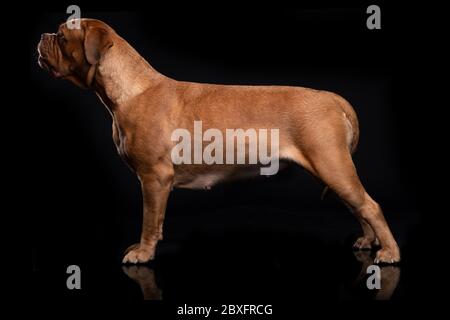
x=115 y=85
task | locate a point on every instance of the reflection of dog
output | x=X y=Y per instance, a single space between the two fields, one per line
x=318 y=130
x=145 y=278
x=390 y=275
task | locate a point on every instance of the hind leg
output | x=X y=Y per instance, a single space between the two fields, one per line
x=334 y=166
x=368 y=240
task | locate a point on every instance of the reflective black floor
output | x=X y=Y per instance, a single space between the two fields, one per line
x=145 y=277
x=220 y=262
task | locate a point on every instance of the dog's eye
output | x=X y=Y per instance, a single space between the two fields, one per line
x=61 y=37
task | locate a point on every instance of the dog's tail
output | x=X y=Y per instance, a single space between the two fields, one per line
x=354 y=125
x=351 y=121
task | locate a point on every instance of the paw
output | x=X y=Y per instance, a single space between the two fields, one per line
x=365 y=243
x=387 y=256
x=138 y=253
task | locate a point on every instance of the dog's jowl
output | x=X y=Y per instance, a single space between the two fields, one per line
x=318 y=130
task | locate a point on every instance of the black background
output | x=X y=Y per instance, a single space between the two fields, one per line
x=267 y=240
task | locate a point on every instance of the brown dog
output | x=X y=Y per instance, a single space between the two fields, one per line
x=317 y=130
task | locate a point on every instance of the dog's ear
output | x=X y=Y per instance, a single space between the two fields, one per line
x=96 y=42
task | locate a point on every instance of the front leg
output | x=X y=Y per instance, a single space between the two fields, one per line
x=156 y=186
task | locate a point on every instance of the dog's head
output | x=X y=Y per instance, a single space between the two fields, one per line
x=74 y=53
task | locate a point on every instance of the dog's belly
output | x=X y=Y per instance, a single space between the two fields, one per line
x=201 y=181
x=207 y=177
